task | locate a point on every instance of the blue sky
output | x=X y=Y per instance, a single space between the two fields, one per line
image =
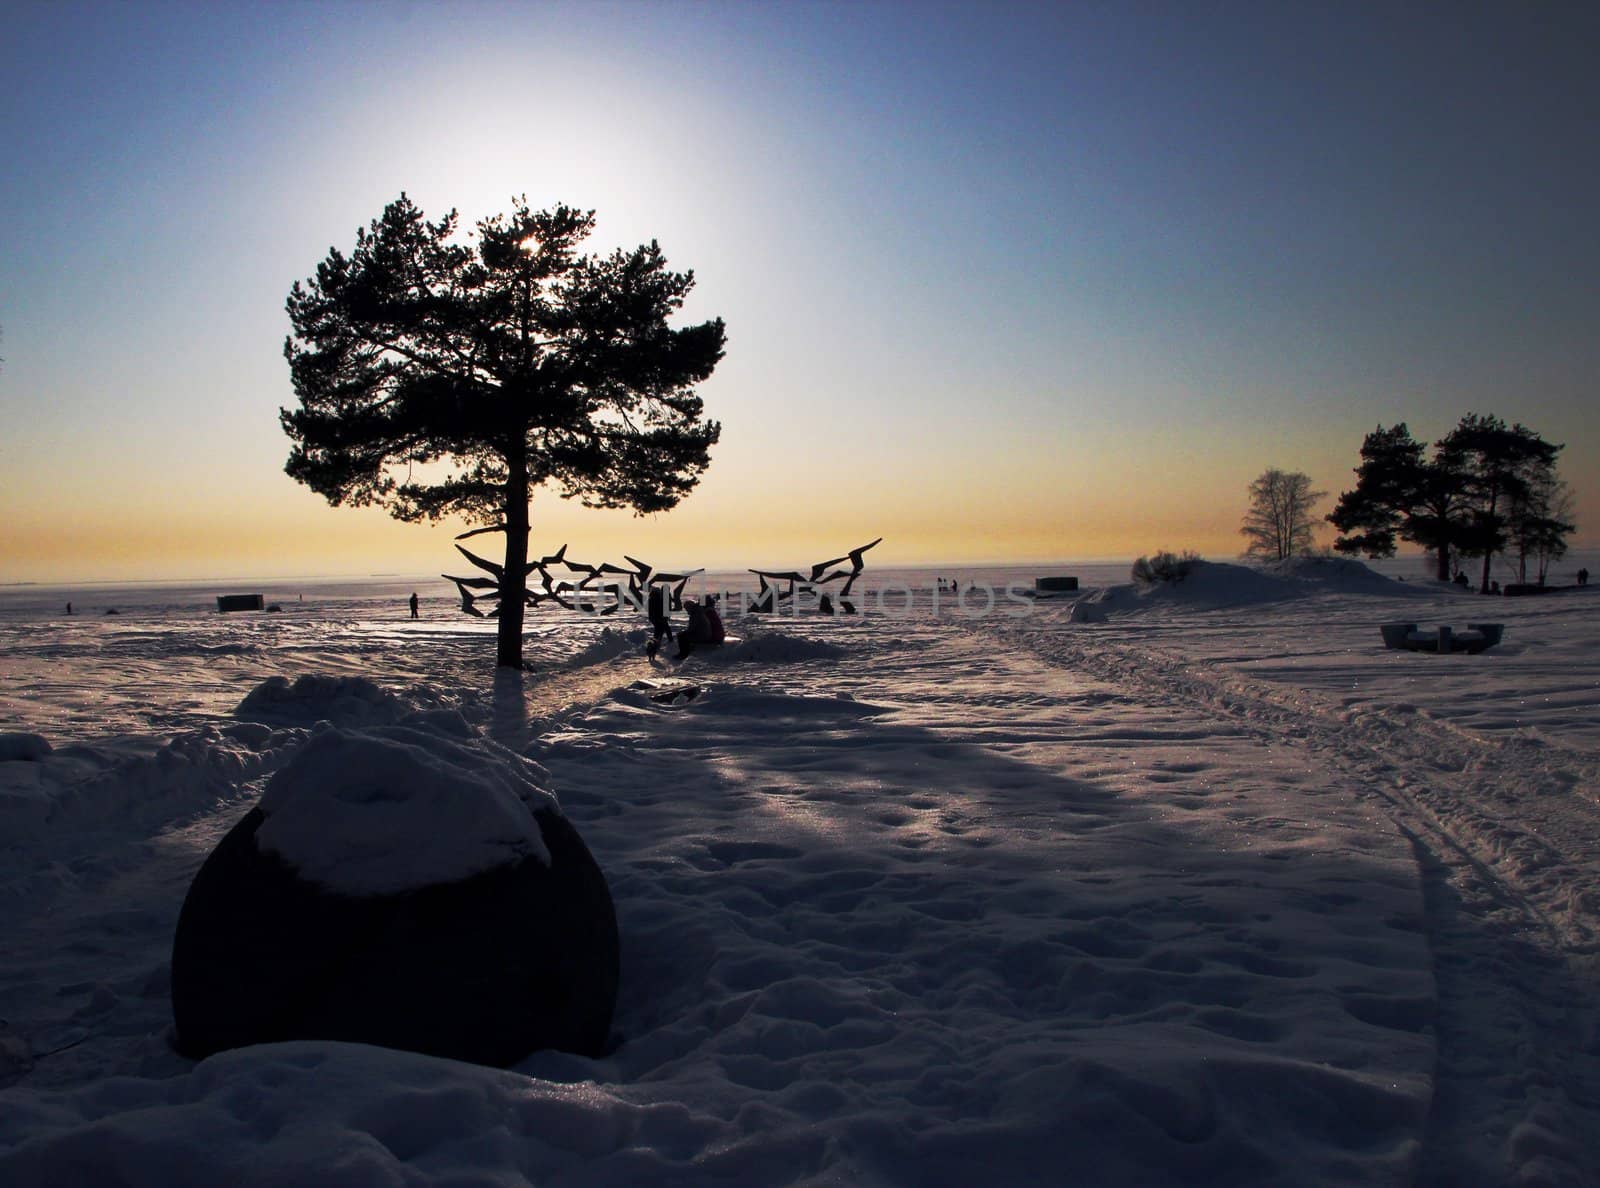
x=1001 y=281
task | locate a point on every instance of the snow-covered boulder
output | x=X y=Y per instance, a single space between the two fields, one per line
x=410 y=886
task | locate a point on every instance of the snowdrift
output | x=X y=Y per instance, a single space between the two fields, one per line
x=1215 y=585
x=126 y=783
x=346 y=700
x=1341 y=575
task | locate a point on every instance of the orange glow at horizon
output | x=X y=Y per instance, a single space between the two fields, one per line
x=143 y=538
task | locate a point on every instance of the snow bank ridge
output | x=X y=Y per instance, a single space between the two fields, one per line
x=773 y=647
x=1214 y=585
x=45 y=789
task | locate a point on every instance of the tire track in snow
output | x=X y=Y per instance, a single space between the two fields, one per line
x=1507 y=839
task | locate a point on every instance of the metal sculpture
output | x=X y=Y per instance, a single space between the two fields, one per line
x=596 y=591
x=770 y=597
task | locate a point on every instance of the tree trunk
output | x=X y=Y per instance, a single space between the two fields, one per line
x=514 y=579
x=1497 y=542
x=1443 y=572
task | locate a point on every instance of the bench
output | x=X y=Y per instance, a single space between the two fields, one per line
x=1476 y=638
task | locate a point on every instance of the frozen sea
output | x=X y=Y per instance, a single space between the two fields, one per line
x=1198 y=885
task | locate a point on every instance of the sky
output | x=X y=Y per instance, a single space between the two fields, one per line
x=1001 y=282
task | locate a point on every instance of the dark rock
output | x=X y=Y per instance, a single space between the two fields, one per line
x=1395 y=634
x=27 y=748
x=487 y=969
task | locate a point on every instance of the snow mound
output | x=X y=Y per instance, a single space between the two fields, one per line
x=772 y=647
x=123 y=782
x=394 y=808
x=608 y=645
x=342 y=700
x=1213 y=585
x=1222 y=584
x=1339 y=575
x=343 y=1114
x=1209 y=584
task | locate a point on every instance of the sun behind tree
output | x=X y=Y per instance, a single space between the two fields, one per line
x=437 y=377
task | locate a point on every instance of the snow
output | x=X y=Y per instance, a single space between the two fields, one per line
x=1207 y=888
x=312 y=698
x=392 y=809
x=1216 y=585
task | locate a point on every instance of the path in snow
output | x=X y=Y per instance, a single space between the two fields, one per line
x=1072 y=909
x=1507 y=837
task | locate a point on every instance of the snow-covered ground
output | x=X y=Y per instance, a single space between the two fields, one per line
x=1197 y=885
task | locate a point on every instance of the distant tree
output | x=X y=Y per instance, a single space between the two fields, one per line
x=1503 y=465
x=1455 y=503
x=1278 y=522
x=1539 y=522
x=1398 y=493
x=437 y=377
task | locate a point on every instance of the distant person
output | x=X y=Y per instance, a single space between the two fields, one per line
x=1583 y=580
x=1584 y=574
x=656 y=612
x=413 y=604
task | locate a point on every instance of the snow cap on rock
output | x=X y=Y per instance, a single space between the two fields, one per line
x=395 y=808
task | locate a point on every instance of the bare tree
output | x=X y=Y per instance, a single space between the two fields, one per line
x=1539 y=521
x=1278 y=524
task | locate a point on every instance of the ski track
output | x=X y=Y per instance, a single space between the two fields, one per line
x=1505 y=831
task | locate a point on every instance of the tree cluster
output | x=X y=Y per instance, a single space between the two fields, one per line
x=1486 y=488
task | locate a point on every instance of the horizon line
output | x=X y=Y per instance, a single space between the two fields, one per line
x=401 y=575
